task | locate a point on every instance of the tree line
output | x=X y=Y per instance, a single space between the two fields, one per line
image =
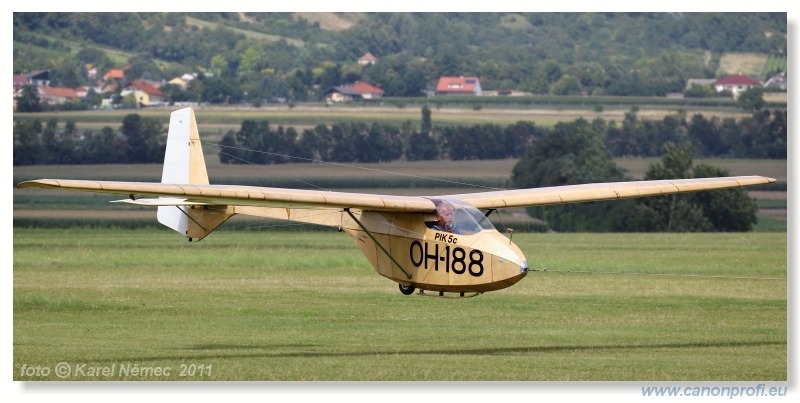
x=762 y=135
x=258 y=143
x=141 y=140
x=138 y=140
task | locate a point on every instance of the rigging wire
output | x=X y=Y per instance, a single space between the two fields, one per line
x=253 y=163
x=656 y=274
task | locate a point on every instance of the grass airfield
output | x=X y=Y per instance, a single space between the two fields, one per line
x=307 y=306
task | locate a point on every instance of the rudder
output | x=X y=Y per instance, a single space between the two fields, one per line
x=183 y=161
x=184 y=164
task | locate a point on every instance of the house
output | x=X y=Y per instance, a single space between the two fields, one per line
x=20 y=80
x=736 y=84
x=39 y=78
x=359 y=90
x=458 y=86
x=153 y=83
x=57 y=95
x=367 y=59
x=179 y=82
x=340 y=94
x=183 y=81
x=114 y=74
x=367 y=91
x=145 y=93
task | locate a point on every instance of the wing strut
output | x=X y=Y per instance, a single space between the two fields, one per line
x=377 y=243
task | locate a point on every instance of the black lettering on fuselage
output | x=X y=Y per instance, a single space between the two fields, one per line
x=453 y=258
x=434 y=256
x=445 y=237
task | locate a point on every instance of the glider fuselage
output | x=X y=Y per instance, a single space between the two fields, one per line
x=406 y=248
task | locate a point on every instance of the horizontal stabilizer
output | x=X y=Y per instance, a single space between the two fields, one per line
x=161 y=201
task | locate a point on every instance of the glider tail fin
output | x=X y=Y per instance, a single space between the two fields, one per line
x=183 y=161
x=184 y=164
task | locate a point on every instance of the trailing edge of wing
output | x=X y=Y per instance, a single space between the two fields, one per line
x=239 y=195
x=161 y=201
x=602 y=191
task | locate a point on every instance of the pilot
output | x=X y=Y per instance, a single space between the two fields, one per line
x=444 y=215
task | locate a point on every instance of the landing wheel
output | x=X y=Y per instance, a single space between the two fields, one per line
x=407 y=289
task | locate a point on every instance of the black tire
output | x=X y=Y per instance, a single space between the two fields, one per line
x=407 y=289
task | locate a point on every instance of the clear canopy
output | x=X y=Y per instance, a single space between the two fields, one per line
x=460 y=217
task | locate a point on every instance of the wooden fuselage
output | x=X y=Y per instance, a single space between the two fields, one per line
x=438 y=260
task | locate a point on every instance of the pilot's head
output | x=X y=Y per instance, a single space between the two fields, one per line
x=444 y=213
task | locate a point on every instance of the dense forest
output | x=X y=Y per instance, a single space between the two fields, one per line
x=260 y=57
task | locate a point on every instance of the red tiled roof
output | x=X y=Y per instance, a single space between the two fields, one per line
x=114 y=73
x=147 y=88
x=60 y=92
x=457 y=84
x=20 y=80
x=736 y=79
x=364 y=88
x=368 y=57
x=109 y=88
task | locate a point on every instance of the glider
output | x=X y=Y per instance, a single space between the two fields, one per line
x=443 y=244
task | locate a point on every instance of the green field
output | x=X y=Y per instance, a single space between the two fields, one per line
x=214 y=121
x=307 y=306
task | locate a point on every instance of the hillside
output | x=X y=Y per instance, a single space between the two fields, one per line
x=331 y=21
x=258 y=57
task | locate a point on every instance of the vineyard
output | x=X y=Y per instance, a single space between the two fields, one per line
x=774 y=64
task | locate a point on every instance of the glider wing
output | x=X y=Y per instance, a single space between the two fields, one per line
x=602 y=191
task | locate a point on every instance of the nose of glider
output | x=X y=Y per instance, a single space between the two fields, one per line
x=508 y=263
x=508 y=260
x=511 y=253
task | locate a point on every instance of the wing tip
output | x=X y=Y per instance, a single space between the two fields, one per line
x=39 y=183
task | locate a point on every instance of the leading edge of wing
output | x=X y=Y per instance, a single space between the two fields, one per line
x=242 y=195
x=602 y=191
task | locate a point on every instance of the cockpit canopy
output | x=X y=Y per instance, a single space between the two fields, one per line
x=466 y=219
